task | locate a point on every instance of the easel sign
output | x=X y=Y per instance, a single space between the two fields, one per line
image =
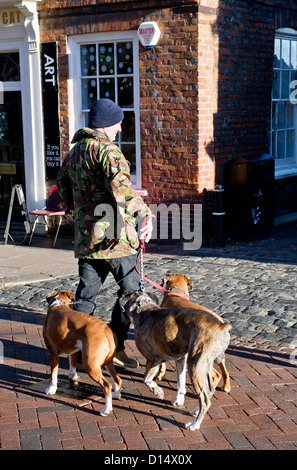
x=17 y=188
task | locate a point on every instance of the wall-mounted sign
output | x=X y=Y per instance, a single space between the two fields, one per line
x=11 y=17
x=149 y=34
x=51 y=121
x=7 y=168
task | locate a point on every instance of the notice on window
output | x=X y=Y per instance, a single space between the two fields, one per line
x=51 y=122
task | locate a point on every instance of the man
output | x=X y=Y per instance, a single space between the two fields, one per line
x=95 y=181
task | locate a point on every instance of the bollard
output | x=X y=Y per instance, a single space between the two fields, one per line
x=219 y=217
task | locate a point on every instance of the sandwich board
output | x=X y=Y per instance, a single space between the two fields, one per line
x=17 y=189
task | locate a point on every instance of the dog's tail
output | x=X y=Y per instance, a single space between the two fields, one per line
x=201 y=357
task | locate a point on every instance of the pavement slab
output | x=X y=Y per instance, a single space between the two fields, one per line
x=251 y=285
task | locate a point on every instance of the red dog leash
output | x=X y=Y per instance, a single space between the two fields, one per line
x=153 y=283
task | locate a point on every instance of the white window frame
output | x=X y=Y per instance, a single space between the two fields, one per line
x=285 y=167
x=76 y=116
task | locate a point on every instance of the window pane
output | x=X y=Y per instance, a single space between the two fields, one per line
x=125 y=92
x=294 y=54
x=276 y=85
x=290 y=115
x=293 y=87
x=281 y=144
x=128 y=127
x=10 y=67
x=86 y=119
x=290 y=144
x=273 y=147
x=285 y=84
x=129 y=153
x=106 y=59
x=124 y=58
x=276 y=63
x=88 y=60
x=107 y=88
x=274 y=116
x=285 y=62
x=281 y=115
x=88 y=92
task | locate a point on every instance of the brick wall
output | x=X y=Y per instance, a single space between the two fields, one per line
x=246 y=45
x=168 y=108
x=205 y=90
x=168 y=84
x=245 y=72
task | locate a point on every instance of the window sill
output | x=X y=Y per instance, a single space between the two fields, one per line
x=285 y=172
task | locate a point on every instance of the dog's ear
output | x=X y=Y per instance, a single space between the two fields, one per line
x=51 y=296
x=69 y=295
x=123 y=301
x=153 y=297
x=165 y=280
x=189 y=282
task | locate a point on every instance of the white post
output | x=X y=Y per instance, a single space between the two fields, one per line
x=32 y=109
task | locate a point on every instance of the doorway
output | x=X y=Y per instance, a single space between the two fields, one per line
x=12 y=170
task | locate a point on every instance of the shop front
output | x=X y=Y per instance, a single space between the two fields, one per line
x=21 y=133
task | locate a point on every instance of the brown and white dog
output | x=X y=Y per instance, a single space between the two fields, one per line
x=181 y=334
x=67 y=331
x=178 y=284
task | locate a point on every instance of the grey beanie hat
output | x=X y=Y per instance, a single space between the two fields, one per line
x=105 y=113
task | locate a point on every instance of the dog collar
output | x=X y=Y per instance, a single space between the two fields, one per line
x=58 y=302
x=172 y=291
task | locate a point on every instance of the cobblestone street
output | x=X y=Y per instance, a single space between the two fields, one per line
x=251 y=285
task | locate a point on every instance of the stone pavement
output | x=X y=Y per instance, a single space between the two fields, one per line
x=252 y=285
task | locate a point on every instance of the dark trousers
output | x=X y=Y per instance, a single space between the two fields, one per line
x=92 y=274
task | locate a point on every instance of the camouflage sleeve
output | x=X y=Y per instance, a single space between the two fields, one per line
x=64 y=185
x=118 y=182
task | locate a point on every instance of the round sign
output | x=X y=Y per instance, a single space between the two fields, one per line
x=149 y=34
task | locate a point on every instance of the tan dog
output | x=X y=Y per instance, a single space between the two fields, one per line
x=183 y=335
x=180 y=284
x=66 y=331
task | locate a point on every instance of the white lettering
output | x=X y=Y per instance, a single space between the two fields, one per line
x=114 y=460
x=152 y=459
x=178 y=219
x=49 y=70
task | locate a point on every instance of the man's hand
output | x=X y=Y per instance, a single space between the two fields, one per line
x=147 y=230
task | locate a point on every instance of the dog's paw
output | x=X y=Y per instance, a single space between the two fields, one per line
x=226 y=388
x=106 y=411
x=179 y=400
x=192 y=426
x=73 y=377
x=51 y=390
x=158 y=391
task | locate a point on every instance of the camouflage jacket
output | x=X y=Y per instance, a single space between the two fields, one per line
x=95 y=181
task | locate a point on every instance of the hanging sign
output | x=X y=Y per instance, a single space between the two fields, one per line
x=51 y=121
x=149 y=34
